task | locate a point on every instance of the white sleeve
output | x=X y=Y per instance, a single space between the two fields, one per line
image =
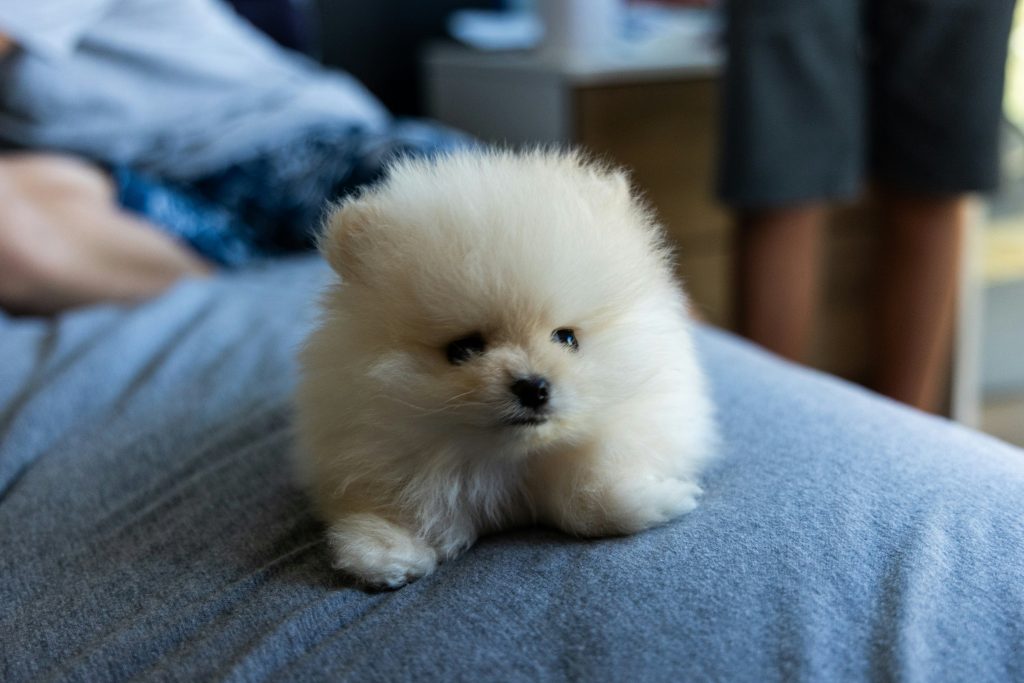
x=50 y=26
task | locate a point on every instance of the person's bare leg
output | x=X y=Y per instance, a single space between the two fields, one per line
x=777 y=276
x=922 y=241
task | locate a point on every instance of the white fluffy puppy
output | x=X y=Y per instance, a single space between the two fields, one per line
x=507 y=345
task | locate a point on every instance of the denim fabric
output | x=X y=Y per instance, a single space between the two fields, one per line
x=272 y=202
x=149 y=528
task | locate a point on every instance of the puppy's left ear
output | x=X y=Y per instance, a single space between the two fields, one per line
x=345 y=237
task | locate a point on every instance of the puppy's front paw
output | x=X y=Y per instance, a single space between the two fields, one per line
x=652 y=501
x=379 y=553
x=628 y=505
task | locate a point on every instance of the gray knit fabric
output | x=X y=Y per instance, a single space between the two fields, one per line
x=149 y=529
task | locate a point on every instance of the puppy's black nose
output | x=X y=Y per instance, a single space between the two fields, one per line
x=532 y=392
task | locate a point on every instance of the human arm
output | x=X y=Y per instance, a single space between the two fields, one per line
x=65 y=243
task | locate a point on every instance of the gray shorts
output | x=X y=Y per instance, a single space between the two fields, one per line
x=820 y=94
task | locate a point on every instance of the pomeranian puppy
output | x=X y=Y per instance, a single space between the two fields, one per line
x=507 y=345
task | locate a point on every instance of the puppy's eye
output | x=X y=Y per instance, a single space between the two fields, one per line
x=566 y=337
x=462 y=349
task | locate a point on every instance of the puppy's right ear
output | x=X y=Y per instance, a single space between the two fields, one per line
x=345 y=236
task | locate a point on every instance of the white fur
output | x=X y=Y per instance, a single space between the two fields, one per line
x=405 y=454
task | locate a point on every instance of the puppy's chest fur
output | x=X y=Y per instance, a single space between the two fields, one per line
x=460 y=495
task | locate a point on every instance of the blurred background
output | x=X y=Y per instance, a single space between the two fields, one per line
x=641 y=83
